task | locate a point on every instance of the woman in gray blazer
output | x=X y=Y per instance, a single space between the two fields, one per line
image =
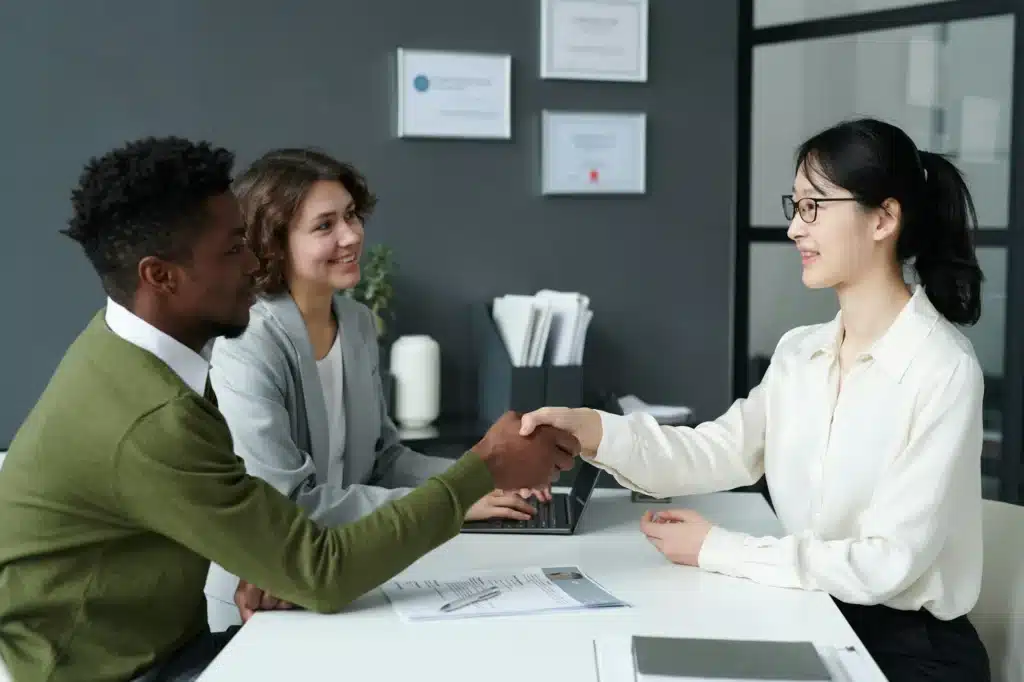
x=300 y=388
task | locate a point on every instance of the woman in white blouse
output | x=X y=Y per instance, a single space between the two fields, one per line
x=867 y=428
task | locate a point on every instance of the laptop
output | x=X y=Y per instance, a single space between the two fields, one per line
x=560 y=516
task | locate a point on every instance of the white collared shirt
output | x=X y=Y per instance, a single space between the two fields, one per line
x=878 y=486
x=183 y=361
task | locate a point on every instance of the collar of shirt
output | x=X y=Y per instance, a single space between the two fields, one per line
x=190 y=366
x=895 y=349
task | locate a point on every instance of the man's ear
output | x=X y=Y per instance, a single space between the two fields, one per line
x=889 y=216
x=158 y=275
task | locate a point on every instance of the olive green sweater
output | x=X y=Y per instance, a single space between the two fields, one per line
x=121 y=487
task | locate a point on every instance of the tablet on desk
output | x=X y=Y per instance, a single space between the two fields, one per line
x=669 y=658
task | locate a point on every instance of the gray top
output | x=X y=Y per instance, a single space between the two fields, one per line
x=268 y=389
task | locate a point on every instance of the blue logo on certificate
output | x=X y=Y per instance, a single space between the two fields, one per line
x=421 y=83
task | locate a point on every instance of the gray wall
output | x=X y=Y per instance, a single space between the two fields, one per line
x=79 y=78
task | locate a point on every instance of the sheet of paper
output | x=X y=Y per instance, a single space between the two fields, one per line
x=532 y=590
x=516 y=317
x=567 y=310
x=581 y=336
x=539 y=343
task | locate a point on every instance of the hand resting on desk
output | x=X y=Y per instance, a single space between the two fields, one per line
x=677 y=533
x=249 y=599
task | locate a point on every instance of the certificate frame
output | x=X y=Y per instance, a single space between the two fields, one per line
x=616 y=163
x=556 y=41
x=420 y=102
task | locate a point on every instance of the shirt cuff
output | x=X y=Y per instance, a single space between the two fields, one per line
x=616 y=440
x=722 y=551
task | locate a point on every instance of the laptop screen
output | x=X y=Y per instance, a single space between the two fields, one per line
x=583 y=487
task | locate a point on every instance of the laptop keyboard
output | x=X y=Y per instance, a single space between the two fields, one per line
x=552 y=514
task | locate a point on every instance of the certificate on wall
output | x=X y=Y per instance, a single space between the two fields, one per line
x=454 y=94
x=593 y=153
x=602 y=40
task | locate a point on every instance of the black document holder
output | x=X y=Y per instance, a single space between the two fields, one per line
x=501 y=386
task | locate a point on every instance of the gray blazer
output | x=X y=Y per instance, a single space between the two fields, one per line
x=269 y=391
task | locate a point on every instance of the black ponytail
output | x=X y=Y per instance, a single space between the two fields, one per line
x=876 y=161
x=945 y=260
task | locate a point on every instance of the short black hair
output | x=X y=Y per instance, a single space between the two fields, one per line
x=144 y=199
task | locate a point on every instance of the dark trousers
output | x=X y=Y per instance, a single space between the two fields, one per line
x=917 y=646
x=189 y=662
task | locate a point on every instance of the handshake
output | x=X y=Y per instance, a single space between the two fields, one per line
x=519 y=460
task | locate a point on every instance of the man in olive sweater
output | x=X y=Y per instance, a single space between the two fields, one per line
x=121 y=485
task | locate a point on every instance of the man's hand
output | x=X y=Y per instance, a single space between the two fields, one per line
x=500 y=505
x=249 y=599
x=677 y=533
x=525 y=461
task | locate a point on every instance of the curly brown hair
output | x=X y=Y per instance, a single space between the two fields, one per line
x=270 y=192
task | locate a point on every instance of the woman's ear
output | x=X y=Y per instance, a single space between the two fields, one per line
x=889 y=215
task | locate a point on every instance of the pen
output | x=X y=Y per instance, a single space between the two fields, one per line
x=457 y=604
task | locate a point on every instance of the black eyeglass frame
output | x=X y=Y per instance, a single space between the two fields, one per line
x=790 y=207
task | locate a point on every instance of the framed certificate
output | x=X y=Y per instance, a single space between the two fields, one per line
x=600 y=40
x=593 y=153
x=454 y=95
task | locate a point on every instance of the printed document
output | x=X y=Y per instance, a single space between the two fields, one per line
x=533 y=590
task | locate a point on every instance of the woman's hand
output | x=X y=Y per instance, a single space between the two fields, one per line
x=542 y=494
x=500 y=505
x=677 y=533
x=583 y=423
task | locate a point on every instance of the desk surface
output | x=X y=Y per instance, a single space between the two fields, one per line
x=368 y=641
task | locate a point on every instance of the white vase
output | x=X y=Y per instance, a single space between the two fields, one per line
x=416 y=368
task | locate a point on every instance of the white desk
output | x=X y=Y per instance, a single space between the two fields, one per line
x=368 y=641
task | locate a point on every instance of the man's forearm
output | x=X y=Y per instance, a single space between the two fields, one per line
x=325 y=570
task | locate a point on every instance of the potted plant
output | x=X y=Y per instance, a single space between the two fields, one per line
x=376 y=290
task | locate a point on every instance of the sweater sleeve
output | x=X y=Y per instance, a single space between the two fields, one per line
x=177 y=476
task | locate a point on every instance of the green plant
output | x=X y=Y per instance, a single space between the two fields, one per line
x=375 y=289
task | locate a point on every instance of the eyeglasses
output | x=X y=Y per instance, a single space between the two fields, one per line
x=808 y=207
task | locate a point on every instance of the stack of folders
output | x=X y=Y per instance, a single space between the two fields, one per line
x=548 y=328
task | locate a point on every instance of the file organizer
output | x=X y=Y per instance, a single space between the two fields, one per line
x=501 y=386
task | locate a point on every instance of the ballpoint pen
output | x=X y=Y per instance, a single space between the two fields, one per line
x=457 y=604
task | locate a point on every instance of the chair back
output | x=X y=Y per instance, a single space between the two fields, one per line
x=999 y=613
